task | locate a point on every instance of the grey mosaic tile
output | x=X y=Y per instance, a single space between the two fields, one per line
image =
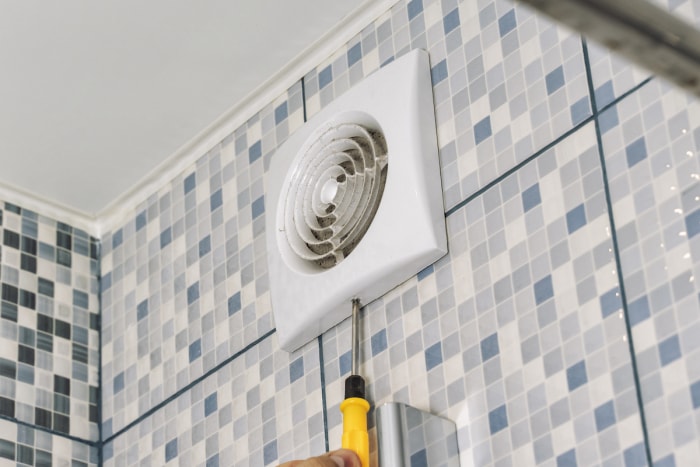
x=22 y=445
x=185 y=278
x=506 y=82
x=262 y=408
x=49 y=323
x=655 y=201
x=527 y=370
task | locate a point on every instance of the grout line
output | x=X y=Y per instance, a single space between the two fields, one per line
x=323 y=390
x=189 y=386
x=616 y=248
x=303 y=96
x=100 y=461
x=94 y=444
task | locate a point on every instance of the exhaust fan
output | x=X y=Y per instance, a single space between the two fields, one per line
x=355 y=201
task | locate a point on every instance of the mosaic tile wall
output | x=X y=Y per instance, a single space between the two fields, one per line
x=557 y=331
x=49 y=341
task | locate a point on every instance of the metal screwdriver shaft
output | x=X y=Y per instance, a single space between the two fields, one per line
x=355 y=405
x=355 y=369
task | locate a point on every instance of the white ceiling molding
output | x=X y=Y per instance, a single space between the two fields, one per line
x=49 y=208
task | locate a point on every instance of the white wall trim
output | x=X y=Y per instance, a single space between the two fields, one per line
x=49 y=208
x=115 y=212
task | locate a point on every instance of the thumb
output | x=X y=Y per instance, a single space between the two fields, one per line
x=345 y=458
x=339 y=458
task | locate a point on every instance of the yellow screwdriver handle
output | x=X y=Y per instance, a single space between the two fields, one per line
x=355 y=435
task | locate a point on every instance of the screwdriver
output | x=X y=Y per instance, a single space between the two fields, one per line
x=355 y=405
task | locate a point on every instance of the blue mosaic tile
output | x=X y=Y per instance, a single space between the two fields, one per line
x=669 y=350
x=695 y=394
x=210 y=405
x=638 y=310
x=554 y=80
x=498 y=419
x=234 y=303
x=258 y=207
x=568 y=459
x=482 y=130
x=170 y=450
x=296 y=369
x=195 y=350
x=605 y=416
x=439 y=72
x=667 y=461
x=576 y=375
x=576 y=218
x=531 y=197
x=433 y=356
x=166 y=237
x=216 y=200
x=354 y=54
x=270 y=452
x=543 y=290
x=281 y=113
x=255 y=152
x=610 y=302
x=325 y=76
x=117 y=239
x=692 y=224
x=189 y=184
x=635 y=456
x=608 y=120
x=193 y=293
x=507 y=23
x=379 y=342
x=414 y=8
x=451 y=21
x=636 y=152
x=604 y=94
x=118 y=383
x=489 y=347
x=427 y=271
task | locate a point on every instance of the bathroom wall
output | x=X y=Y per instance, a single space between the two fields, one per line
x=49 y=341
x=558 y=330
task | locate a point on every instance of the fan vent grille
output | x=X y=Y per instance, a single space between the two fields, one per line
x=334 y=193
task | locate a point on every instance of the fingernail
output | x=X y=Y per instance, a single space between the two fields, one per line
x=338 y=460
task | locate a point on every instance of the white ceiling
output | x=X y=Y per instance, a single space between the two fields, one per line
x=95 y=95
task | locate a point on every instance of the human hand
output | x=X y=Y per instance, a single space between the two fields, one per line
x=339 y=458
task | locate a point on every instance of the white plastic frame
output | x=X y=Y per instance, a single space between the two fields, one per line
x=408 y=230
